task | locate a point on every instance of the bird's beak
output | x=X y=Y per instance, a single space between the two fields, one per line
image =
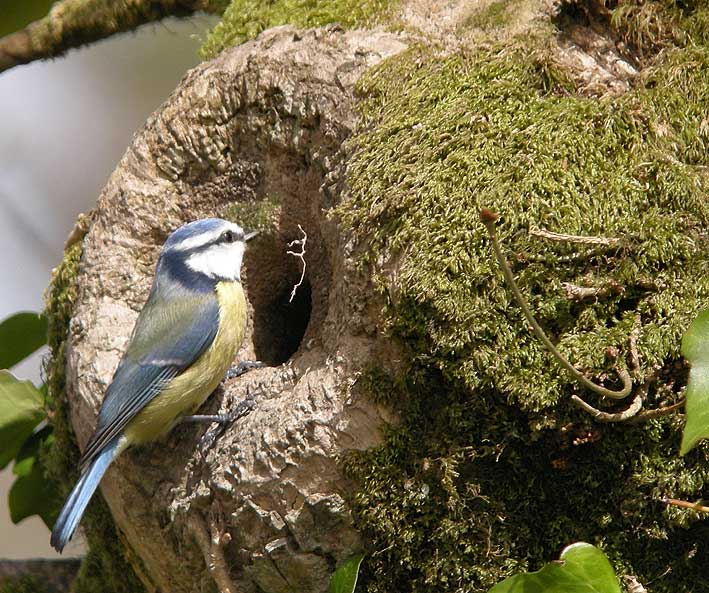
x=250 y=235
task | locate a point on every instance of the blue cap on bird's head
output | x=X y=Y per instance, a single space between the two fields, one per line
x=202 y=232
x=211 y=248
x=195 y=229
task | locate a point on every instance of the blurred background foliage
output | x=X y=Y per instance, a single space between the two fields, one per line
x=17 y=14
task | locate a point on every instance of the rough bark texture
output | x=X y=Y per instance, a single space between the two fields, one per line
x=266 y=120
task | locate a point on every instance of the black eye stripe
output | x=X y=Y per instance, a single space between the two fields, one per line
x=228 y=237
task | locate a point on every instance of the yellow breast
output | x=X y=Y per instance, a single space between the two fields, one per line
x=188 y=391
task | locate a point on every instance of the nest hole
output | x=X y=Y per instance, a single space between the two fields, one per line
x=279 y=325
x=279 y=322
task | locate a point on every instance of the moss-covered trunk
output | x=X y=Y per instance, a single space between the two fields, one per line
x=408 y=410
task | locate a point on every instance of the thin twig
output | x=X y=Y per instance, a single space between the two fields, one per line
x=633 y=349
x=658 y=412
x=580 y=293
x=633 y=410
x=212 y=545
x=562 y=259
x=544 y=234
x=693 y=506
x=301 y=256
x=630 y=412
x=488 y=218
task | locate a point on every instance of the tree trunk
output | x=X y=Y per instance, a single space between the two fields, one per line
x=265 y=121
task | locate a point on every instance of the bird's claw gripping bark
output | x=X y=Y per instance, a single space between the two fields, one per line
x=244 y=367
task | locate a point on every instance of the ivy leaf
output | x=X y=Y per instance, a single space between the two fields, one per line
x=32 y=493
x=344 y=579
x=29 y=452
x=20 y=335
x=582 y=568
x=695 y=348
x=21 y=410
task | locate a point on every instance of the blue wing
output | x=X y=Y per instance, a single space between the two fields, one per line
x=173 y=330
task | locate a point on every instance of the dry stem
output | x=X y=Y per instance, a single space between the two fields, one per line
x=301 y=256
x=580 y=293
x=212 y=545
x=630 y=412
x=658 y=412
x=488 y=218
x=633 y=585
x=605 y=241
x=693 y=506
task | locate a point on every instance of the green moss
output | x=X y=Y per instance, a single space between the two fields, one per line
x=496 y=14
x=105 y=567
x=483 y=131
x=245 y=19
x=492 y=470
x=59 y=302
x=24 y=584
x=254 y=216
x=648 y=26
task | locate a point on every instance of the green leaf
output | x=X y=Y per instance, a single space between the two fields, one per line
x=20 y=335
x=21 y=410
x=32 y=493
x=582 y=568
x=695 y=348
x=344 y=579
x=29 y=452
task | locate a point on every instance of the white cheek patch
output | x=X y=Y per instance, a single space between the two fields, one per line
x=221 y=261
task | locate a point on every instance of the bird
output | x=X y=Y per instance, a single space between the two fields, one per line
x=183 y=343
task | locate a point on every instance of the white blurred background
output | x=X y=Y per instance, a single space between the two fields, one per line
x=64 y=125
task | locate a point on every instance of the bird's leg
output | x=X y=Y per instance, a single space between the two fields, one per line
x=242 y=409
x=243 y=367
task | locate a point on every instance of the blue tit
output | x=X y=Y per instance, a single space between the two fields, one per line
x=184 y=341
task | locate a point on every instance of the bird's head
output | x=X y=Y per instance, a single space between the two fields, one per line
x=209 y=249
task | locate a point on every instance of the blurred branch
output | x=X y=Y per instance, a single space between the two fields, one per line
x=73 y=23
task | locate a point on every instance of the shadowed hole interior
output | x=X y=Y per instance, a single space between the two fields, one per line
x=279 y=323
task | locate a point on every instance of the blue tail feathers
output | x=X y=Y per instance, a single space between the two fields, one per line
x=80 y=496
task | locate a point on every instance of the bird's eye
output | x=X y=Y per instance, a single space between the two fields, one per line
x=228 y=236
